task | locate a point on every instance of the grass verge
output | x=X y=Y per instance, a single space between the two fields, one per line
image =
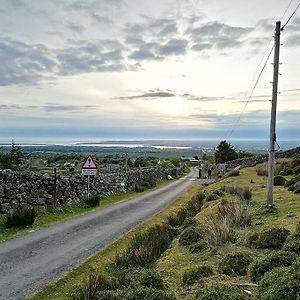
x=51 y=216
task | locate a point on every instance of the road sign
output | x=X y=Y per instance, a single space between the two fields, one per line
x=89 y=172
x=89 y=164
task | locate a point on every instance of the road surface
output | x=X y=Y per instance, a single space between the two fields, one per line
x=30 y=261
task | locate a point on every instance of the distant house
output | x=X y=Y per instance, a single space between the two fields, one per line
x=192 y=161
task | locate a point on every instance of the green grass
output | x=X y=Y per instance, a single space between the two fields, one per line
x=178 y=258
x=51 y=216
x=64 y=287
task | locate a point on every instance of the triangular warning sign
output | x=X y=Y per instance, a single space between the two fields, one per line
x=89 y=163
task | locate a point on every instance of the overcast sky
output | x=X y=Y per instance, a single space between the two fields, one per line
x=106 y=69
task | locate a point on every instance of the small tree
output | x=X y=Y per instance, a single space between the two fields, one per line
x=225 y=152
x=16 y=155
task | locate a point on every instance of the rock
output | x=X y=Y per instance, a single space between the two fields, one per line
x=297 y=187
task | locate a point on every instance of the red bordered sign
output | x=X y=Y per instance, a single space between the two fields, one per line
x=89 y=167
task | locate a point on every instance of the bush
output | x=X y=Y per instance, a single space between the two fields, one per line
x=280 y=283
x=146 y=247
x=271 y=238
x=177 y=219
x=195 y=204
x=286 y=172
x=198 y=247
x=279 y=180
x=233 y=189
x=293 y=245
x=262 y=170
x=211 y=197
x=296 y=162
x=93 y=201
x=139 y=188
x=134 y=293
x=222 y=292
x=246 y=194
x=190 y=222
x=264 y=265
x=95 y=283
x=234 y=172
x=192 y=275
x=235 y=264
x=190 y=236
x=296 y=171
x=21 y=217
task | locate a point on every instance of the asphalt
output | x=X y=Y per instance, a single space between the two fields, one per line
x=33 y=260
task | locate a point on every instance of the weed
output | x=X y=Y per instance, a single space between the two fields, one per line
x=279 y=259
x=235 y=264
x=21 y=217
x=192 y=275
x=190 y=236
x=190 y=222
x=93 y=201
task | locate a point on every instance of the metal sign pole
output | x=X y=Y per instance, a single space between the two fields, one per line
x=88 y=186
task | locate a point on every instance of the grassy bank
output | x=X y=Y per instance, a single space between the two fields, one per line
x=51 y=216
x=70 y=284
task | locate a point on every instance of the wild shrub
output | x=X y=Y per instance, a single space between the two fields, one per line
x=211 y=197
x=233 y=189
x=198 y=247
x=246 y=194
x=290 y=183
x=138 y=188
x=280 y=283
x=192 y=275
x=262 y=170
x=93 y=201
x=286 y=172
x=295 y=162
x=279 y=259
x=292 y=245
x=235 y=264
x=279 y=180
x=21 y=217
x=296 y=171
x=95 y=283
x=195 y=204
x=221 y=292
x=146 y=247
x=177 y=218
x=271 y=238
x=190 y=236
x=190 y=222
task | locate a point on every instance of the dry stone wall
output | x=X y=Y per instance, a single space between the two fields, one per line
x=253 y=161
x=38 y=190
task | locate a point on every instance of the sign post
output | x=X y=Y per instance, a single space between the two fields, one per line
x=89 y=168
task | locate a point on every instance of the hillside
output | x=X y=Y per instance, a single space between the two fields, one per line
x=215 y=242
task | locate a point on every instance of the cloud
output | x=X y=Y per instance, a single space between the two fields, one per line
x=150 y=95
x=216 y=35
x=174 y=47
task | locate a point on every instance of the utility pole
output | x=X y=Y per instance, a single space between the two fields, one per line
x=271 y=163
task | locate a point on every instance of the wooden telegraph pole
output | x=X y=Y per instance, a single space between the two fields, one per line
x=271 y=163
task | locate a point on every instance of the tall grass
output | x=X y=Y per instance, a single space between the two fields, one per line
x=220 y=227
x=21 y=217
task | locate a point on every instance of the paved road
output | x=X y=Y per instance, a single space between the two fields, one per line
x=30 y=261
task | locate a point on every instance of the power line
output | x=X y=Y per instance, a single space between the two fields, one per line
x=287 y=9
x=291 y=16
x=251 y=94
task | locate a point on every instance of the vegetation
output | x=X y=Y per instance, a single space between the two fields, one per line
x=239 y=234
x=93 y=201
x=20 y=217
x=13 y=158
x=225 y=152
x=196 y=273
x=235 y=264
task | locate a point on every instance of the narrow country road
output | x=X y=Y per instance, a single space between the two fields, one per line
x=32 y=260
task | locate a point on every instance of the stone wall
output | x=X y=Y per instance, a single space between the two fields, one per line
x=253 y=161
x=35 y=189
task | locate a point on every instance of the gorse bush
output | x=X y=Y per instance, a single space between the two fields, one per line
x=280 y=283
x=190 y=222
x=146 y=247
x=192 y=275
x=191 y=235
x=21 y=217
x=198 y=247
x=279 y=180
x=235 y=264
x=93 y=201
x=279 y=259
x=218 y=291
x=271 y=238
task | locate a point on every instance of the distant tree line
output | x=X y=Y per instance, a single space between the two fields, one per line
x=13 y=158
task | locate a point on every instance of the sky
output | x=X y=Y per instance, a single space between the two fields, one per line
x=130 y=69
